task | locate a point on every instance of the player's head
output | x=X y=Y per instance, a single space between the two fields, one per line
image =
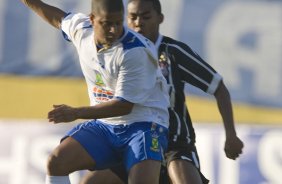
x=107 y=20
x=145 y=17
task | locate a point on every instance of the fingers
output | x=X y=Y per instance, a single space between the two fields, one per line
x=61 y=113
x=56 y=106
x=233 y=147
x=55 y=115
x=233 y=153
x=57 y=118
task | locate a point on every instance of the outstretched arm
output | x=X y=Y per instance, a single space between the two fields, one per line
x=233 y=145
x=51 y=14
x=112 y=108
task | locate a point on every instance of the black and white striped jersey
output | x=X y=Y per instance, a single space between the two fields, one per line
x=180 y=65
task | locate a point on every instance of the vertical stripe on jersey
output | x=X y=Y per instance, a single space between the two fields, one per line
x=186 y=126
x=178 y=126
x=170 y=82
x=195 y=159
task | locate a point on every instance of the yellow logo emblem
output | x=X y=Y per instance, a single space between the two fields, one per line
x=155 y=144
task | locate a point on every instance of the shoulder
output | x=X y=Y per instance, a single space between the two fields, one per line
x=79 y=19
x=173 y=43
x=133 y=40
x=177 y=46
x=72 y=24
x=135 y=46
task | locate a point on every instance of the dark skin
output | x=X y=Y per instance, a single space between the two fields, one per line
x=65 y=113
x=108 y=28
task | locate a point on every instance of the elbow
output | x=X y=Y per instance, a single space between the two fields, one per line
x=128 y=109
x=124 y=107
x=222 y=92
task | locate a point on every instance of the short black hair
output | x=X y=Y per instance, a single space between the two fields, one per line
x=156 y=4
x=107 y=6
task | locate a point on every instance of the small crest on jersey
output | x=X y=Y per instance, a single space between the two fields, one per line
x=163 y=57
x=99 y=80
x=163 y=63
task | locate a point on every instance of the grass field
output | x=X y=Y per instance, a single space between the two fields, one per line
x=32 y=97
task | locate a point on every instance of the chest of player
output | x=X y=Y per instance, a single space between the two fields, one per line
x=104 y=63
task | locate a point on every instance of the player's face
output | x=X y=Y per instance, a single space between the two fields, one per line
x=108 y=27
x=144 y=19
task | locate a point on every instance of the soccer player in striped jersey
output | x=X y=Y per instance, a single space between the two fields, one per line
x=128 y=94
x=180 y=65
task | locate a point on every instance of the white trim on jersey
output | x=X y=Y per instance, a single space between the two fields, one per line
x=178 y=127
x=214 y=84
x=192 y=57
x=196 y=77
x=197 y=164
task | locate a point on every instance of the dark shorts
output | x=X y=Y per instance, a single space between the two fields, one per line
x=185 y=152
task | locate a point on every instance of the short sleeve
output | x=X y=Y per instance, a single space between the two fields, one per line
x=73 y=23
x=137 y=76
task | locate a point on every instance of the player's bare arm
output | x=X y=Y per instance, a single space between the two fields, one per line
x=233 y=145
x=51 y=14
x=65 y=113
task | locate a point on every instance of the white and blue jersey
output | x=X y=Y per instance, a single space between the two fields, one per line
x=127 y=70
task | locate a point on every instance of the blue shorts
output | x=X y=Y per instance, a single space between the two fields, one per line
x=110 y=145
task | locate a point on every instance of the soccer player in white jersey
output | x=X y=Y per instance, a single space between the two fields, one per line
x=129 y=101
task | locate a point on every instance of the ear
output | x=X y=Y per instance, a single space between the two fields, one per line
x=92 y=17
x=161 y=18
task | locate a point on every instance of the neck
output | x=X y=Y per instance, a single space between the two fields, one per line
x=101 y=45
x=155 y=39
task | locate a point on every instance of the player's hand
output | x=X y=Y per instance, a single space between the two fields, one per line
x=62 y=113
x=233 y=147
